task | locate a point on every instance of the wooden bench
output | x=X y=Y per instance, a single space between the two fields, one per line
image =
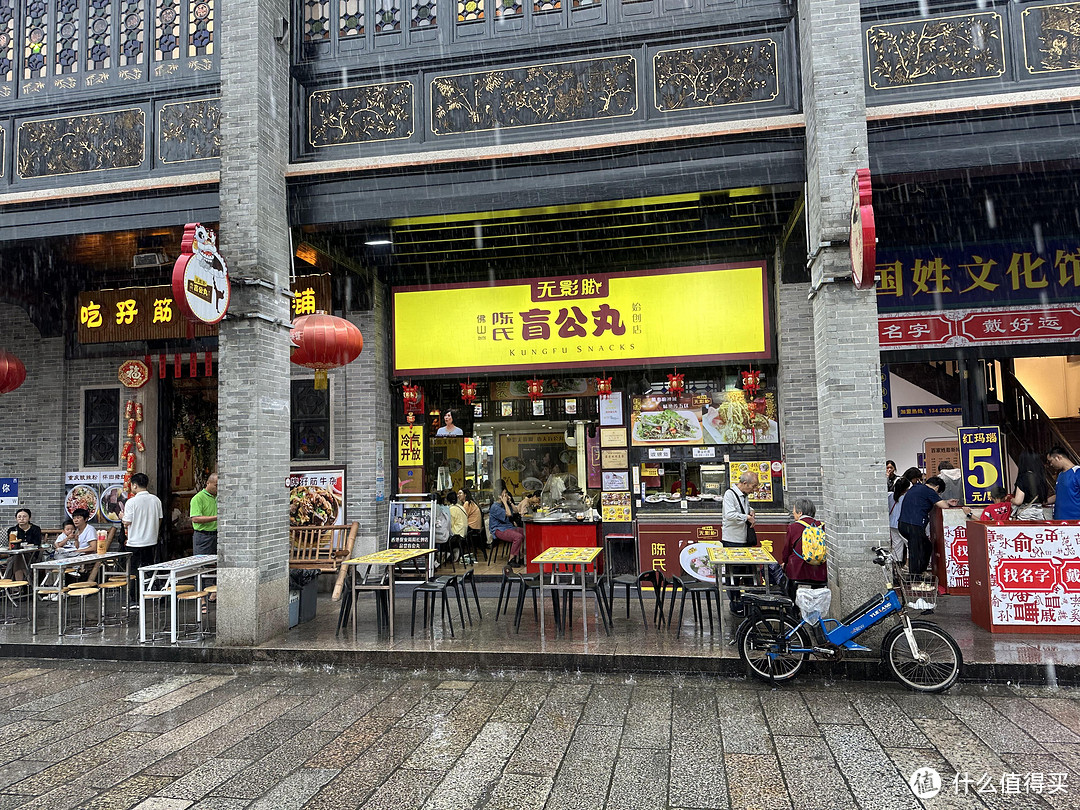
x=321 y=547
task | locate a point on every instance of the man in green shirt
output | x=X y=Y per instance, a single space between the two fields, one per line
x=204 y=517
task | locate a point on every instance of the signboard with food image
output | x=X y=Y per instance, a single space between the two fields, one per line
x=763 y=470
x=317 y=497
x=718 y=417
x=99 y=492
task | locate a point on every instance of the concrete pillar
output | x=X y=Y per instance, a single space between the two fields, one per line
x=846 y=356
x=253 y=394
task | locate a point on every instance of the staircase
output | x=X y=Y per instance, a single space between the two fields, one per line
x=1026 y=425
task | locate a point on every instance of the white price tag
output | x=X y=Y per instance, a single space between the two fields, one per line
x=704 y=452
x=659 y=452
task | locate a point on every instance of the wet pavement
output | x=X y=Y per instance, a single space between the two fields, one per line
x=633 y=646
x=211 y=737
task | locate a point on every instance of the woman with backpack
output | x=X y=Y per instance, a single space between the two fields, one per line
x=803 y=552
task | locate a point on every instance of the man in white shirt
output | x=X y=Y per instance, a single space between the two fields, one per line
x=738 y=517
x=142 y=521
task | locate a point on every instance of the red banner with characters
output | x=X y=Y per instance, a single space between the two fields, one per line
x=983 y=327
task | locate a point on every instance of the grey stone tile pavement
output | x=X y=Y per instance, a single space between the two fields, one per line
x=141 y=736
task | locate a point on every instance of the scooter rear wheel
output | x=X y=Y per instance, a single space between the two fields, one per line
x=765 y=651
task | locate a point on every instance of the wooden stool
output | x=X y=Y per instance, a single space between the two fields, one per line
x=191 y=631
x=82 y=594
x=11 y=594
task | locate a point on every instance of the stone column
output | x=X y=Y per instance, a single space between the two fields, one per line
x=253 y=392
x=847 y=355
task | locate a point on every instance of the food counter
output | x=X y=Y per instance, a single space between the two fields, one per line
x=547 y=533
x=1025 y=576
x=674 y=546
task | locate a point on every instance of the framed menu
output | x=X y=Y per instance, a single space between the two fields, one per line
x=613 y=437
x=617 y=459
x=611 y=408
x=615 y=507
x=616 y=481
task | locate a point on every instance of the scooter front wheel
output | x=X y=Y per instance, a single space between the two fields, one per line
x=938 y=664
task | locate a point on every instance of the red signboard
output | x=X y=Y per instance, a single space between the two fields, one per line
x=863 y=235
x=1025 y=576
x=987 y=327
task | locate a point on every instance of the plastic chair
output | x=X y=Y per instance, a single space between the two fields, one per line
x=631 y=582
x=13 y=592
x=432 y=588
x=82 y=594
x=510 y=578
x=454 y=581
x=596 y=587
x=469 y=577
x=696 y=589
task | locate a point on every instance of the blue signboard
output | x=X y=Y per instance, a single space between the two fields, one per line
x=981 y=463
x=985 y=275
x=9 y=491
x=929 y=410
x=886 y=392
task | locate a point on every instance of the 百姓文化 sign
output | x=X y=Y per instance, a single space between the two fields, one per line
x=685 y=314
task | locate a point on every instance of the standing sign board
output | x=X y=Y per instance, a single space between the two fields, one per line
x=317 y=497
x=9 y=491
x=980 y=463
x=412 y=525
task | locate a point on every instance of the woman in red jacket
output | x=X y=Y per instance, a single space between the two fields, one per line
x=796 y=569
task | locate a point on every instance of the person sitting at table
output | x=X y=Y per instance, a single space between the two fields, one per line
x=26 y=532
x=528 y=504
x=67 y=542
x=500 y=520
x=86 y=541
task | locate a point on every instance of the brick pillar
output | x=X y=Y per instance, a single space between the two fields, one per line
x=253 y=392
x=797 y=388
x=846 y=356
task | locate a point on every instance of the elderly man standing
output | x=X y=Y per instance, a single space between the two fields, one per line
x=738 y=530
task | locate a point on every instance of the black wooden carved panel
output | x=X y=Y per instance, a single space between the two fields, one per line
x=361 y=114
x=716 y=75
x=551 y=93
x=940 y=50
x=51 y=147
x=189 y=130
x=1052 y=37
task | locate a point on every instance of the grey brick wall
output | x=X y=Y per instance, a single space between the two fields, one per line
x=846 y=351
x=253 y=416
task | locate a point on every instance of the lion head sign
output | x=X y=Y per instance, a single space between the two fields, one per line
x=200 y=280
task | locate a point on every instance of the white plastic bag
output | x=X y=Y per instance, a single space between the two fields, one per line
x=813 y=602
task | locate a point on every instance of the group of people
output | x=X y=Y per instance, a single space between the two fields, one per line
x=458 y=515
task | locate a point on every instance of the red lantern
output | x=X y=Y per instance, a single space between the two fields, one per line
x=12 y=372
x=603 y=386
x=536 y=389
x=410 y=418
x=675 y=383
x=323 y=342
x=468 y=392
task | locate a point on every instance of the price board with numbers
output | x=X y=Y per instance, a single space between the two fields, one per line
x=981 y=456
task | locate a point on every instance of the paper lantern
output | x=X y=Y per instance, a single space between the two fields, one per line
x=468 y=392
x=675 y=383
x=603 y=386
x=535 y=389
x=12 y=372
x=324 y=342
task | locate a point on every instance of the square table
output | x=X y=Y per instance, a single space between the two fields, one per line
x=61 y=565
x=573 y=557
x=391 y=558
x=162 y=578
x=722 y=556
x=9 y=555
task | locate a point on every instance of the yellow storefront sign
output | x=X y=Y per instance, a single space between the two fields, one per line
x=685 y=314
x=410 y=449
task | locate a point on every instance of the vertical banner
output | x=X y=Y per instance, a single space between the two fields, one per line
x=410 y=446
x=886 y=392
x=380 y=471
x=980 y=463
x=412 y=524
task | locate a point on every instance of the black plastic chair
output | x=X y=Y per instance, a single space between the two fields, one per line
x=469 y=578
x=432 y=588
x=596 y=586
x=506 y=588
x=454 y=581
x=631 y=582
x=696 y=589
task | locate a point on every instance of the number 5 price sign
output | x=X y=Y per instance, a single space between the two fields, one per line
x=980 y=461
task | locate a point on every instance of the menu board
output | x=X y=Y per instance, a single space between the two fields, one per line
x=763 y=470
x=101 y=493
x=317 y=497
x=615 y=507
x=719 y=417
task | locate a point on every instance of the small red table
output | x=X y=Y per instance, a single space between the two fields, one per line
x=541 y=535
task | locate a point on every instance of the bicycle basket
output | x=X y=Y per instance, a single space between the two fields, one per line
x=920 y=591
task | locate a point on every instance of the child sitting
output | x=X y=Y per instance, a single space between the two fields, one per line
x=1001 y=509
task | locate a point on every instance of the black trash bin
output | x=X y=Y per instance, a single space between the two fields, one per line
x=304 y=583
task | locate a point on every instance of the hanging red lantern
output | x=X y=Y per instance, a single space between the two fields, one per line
x=535 y=389
x=323 y=342
x=410 y=418
x=12 y=372
x=468 y=392
x=603 y=386
x=675 y=383
x=411 y=396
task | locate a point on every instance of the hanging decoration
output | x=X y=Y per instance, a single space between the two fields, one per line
x=675 y=384
x=12 y=372
x=468 y=392
x=323 y=342
x=410 y=417
x=200 y=280
x=134 y=373
x=751 y=383
x=411 y=396
x=603 y=386
x=535 y=389
x=751 y=386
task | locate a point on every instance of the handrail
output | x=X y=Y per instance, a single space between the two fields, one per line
x=1025 y=421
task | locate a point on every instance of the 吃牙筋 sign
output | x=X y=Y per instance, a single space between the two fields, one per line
x=980 y=463
x=686 y=314
x=151 y=313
